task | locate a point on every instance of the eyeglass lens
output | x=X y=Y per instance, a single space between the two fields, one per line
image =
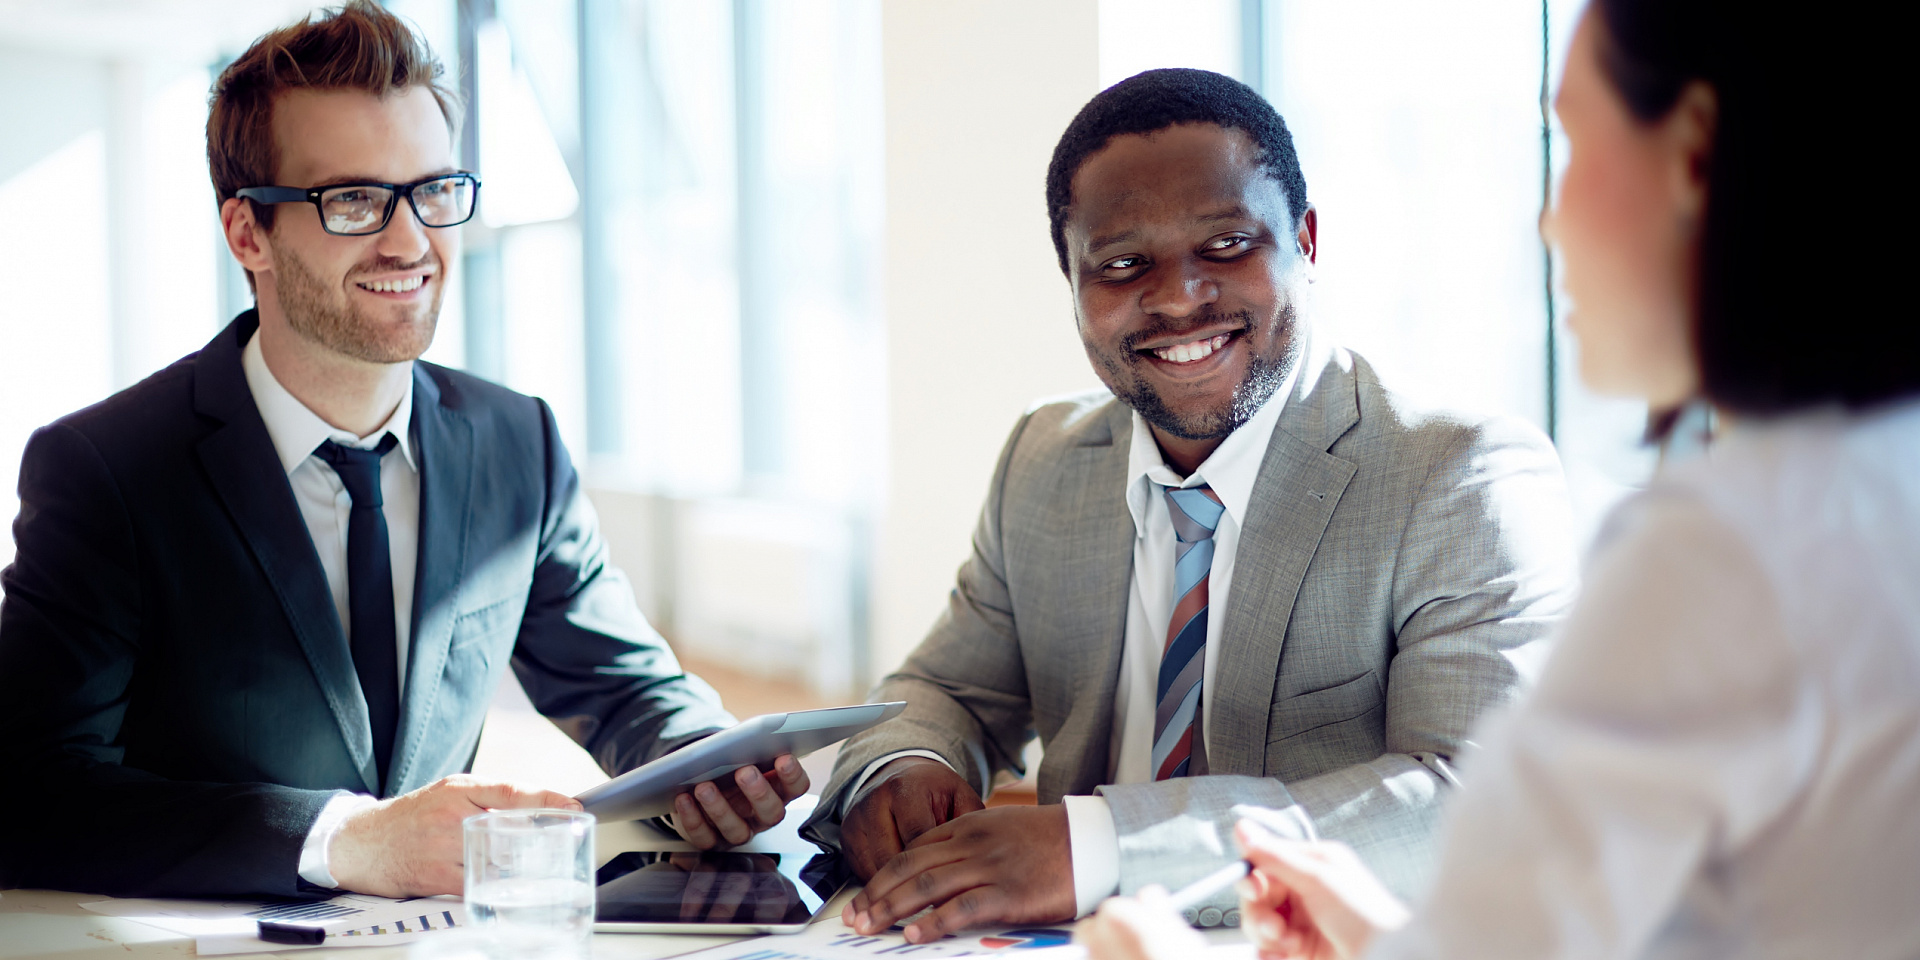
x=441 y=202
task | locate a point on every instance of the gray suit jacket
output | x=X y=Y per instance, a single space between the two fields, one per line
x=1397 y=575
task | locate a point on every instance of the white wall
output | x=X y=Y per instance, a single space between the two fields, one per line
x=978 y=319
x=109 y=264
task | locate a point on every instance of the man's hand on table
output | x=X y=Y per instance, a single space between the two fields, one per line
x=729 y=811
x=1007 y=865
x=411 y=845
x=901 y=801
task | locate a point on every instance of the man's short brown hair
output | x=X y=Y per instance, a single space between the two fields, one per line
x=358 y=46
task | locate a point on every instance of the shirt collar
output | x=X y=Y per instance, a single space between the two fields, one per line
x=1230 y=470
x=296 y=430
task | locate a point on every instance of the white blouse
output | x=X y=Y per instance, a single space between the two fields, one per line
x=1723 y=756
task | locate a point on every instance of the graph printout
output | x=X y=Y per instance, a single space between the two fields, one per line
x=831 y=940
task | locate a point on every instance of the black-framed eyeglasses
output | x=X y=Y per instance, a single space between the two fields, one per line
x=359 y=209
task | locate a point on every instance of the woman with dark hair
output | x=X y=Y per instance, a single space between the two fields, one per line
x=1723 y=757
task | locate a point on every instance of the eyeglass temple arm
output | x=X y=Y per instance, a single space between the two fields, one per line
x=272 y=194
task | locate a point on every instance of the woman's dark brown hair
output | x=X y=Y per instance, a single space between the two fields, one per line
x=1800 y=269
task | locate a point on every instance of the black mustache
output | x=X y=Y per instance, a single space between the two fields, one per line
x=1131 y=342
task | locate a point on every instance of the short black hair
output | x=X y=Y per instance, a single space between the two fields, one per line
x=1782 y=325
x=1156 y=100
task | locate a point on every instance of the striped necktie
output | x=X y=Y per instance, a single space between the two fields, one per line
x=1195 y=513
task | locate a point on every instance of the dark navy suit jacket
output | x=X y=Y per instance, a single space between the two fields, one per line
x=177 y=699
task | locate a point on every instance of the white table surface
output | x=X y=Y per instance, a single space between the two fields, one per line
x=51 y=923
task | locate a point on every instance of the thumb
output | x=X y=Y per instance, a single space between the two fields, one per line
x=1289 y=861
x=1155 y=896
x=965 y=800
x=507 y=796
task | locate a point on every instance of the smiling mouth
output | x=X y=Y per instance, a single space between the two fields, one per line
x=1192 y=351
x=402 y=285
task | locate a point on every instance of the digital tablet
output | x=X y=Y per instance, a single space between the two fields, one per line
x=642 y=892
x=648 y=791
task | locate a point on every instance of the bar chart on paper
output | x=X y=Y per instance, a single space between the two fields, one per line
x=831 y=941
x=230 y=927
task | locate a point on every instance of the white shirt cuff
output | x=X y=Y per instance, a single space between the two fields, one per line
x=846 y=799
x=1094 y=846
x=314 y=867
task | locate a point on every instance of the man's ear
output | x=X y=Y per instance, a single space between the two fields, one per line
x=246 y=238
x=1307 y=238
x=1688 y=131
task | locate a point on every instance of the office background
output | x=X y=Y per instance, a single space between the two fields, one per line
x=781 y=267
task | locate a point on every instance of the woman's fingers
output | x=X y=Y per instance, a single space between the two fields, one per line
x=1323 y=896
x=1139 y=928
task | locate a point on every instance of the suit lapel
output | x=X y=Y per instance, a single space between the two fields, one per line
x=1100 y=531
x=245 y=471
x=1293 y=500
x=444 y=440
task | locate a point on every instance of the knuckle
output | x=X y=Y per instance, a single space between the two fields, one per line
x=968 y=904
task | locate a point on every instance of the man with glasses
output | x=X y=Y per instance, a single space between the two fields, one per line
x=262 y=599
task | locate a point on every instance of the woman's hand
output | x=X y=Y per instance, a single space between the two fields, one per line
x=1311 y=900
x=1138 y=928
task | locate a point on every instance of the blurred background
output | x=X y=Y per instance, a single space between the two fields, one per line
x=781 y=267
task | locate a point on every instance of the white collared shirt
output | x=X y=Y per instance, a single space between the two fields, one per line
x=323 y=499
x=325 y=505
x=1231 y=471
x=1723 y=755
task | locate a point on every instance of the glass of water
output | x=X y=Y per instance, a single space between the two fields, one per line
x=530 y=878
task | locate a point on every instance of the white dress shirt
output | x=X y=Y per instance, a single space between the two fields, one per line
x=1723 y=756
x=325 y=505
x=1231 y=471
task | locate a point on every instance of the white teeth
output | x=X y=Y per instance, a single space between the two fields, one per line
x=1196 y=350
x=406 y=285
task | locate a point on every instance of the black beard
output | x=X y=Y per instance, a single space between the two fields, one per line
x=1264 y=376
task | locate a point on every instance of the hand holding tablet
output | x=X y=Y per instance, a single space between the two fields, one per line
x=701 y=772
x=728 y=810
x=711 y=892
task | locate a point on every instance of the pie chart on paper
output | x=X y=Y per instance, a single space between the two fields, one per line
x=1028 y=939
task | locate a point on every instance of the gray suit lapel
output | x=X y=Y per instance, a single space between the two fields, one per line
x=241 y=463
x=1096 y=603
x=1299 y=486
x=444 y=442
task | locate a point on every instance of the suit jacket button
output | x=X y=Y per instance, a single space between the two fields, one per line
x=1191 y=915
x=1231 y=918
x=1210 y=917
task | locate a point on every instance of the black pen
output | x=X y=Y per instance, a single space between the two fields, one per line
x=298 y=934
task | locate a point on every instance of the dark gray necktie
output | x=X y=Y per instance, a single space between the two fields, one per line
x=370 y=591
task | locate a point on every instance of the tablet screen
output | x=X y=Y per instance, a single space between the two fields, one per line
x=761 y=888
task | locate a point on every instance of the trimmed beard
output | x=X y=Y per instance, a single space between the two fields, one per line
x=1264 y=377
x=325 y=317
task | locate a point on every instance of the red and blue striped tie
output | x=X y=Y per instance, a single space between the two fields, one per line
x=1195 y=513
